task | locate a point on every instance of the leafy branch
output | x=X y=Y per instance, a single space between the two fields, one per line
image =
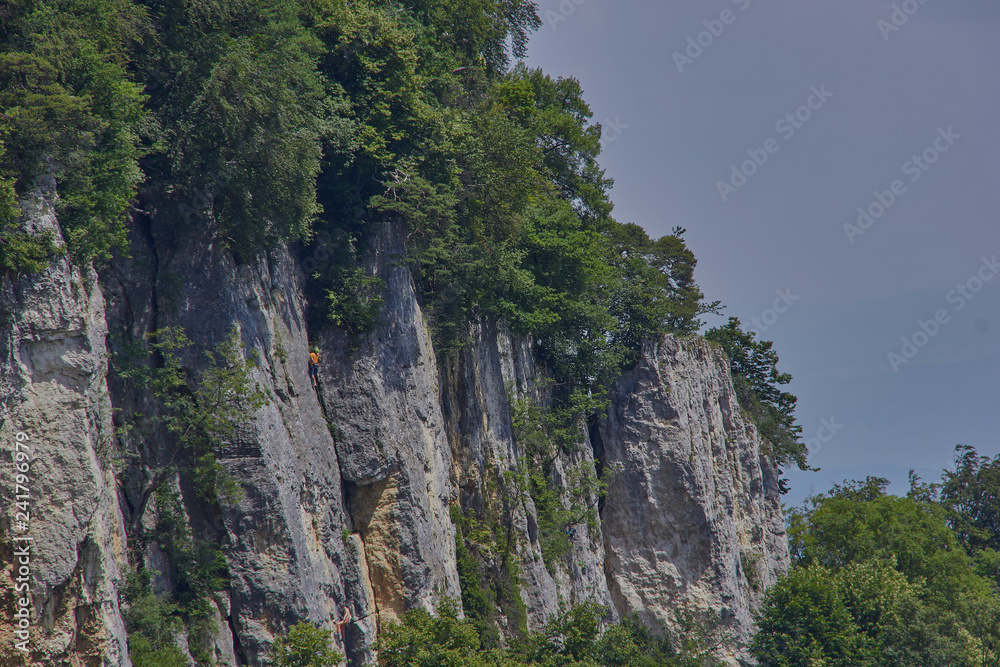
x=198 y=415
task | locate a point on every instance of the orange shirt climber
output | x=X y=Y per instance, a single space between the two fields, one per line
x=314 y=366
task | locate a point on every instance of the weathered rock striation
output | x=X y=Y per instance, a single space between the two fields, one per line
x=348 y=490
x=476 y=393
x=693 y=517
x=54 y=400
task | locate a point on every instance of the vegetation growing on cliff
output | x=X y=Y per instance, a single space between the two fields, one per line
x=564 y=490
x=305 y=645
x=754 y=366
x=488 y=569
x=190 y=419
x=198 y=415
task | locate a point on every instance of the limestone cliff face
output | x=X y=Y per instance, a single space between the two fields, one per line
x=54 y=399
x=348 y=489
x=287 y=542
x=382 y=403
x=693 y=518
x=475 y=395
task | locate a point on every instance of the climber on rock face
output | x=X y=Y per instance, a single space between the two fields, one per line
x=314 y=367
x=343 y=622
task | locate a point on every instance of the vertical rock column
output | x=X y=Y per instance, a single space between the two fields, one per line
x=383 y=405
x=53 y=391
x=693 y=517
x=476 y=392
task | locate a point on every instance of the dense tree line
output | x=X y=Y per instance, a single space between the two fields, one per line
x=883 y=580
x=292 y=121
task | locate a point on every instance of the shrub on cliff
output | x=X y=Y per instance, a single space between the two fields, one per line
x=305 y=645
x=754 y=366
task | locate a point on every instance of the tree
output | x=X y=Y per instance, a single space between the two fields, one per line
x=481 y=33
x=305 y=645
x=866 y=613
x=754 y=366
x=72 y=111
x=423 y=640
x=971 y=494
x=151 y=622
x=878 y=580
x=245 y=118
x=858 y=522
x=197 y=414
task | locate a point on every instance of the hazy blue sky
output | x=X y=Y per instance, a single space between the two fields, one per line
x=924 y=80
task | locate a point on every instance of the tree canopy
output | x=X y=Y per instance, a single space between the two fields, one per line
x=883 y=580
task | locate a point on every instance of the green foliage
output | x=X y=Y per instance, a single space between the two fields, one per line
x=203 y=416
x=356 y=301
x=555 y=114
x=20 y=252
x=543 y=435
x=878 y=580
x=244 y=117
x=195 y=415
x=749 y=564
x=477 y=603
x=305 y=645
x=267 y=122
x=971 y=495
x=200 y=563
x=576 y=637
x=488 y=572
x=199 y=571
x=476 y=32
x=754 y=366
x=659 y=291
x=527 y=238
x=858 y=523
x=71 y=110
x=495 y=174
x=151 y=622
x=864 y=614
x=423 y=640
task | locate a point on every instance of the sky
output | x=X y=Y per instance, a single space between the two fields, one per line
x=837 y=168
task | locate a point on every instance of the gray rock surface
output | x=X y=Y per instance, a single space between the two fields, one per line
x=383 y=406
x=53 y=391
x=693 y=519
x=284 y=540
x=477 y=387
x=347 y=490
